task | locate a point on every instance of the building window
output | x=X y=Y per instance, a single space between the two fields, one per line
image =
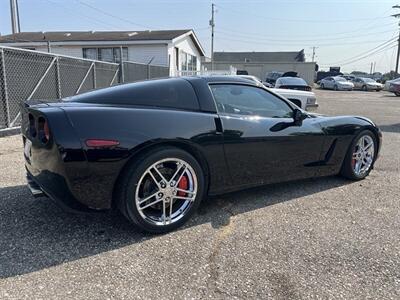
x=90 y=53
x=188 y=62
x=106 y=54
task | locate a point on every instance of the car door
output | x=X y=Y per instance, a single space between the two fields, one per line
x=261 y=143
x=329 y=83
x=358 y=83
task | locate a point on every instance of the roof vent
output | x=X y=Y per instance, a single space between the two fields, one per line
x=132 y=33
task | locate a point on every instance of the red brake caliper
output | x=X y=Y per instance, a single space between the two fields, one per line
x=183 y=184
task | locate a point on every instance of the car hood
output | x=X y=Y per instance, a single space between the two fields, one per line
x=292 y=92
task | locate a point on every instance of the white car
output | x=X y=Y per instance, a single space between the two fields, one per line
x=336 y=83
x=303 y=99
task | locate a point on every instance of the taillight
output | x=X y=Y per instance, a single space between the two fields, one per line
x=32 y=126
x=44 y=131
x=100 y=143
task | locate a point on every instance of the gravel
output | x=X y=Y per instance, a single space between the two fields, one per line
x=320 y=238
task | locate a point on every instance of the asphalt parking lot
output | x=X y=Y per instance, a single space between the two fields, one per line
x=321 y=238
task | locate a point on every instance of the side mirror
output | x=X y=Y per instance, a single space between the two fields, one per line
x=298 y=117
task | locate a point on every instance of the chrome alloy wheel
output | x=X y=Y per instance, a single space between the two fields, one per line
x=166 y=191
x=363 y=155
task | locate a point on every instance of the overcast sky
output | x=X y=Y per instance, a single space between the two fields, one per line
x=351 y=33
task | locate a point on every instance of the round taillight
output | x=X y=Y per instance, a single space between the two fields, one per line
x=44 y=131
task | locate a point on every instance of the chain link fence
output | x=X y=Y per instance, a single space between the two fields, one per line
x=133 y=71
x=26 y=75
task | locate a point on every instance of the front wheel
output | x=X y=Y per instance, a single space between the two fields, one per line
x=335 y=87
x=322 y=86
x=364 y=88
x=162 y=190
x=397 y=94
x=360 y=157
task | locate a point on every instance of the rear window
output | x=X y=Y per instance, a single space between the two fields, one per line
x=170 y=93
x=292 y=81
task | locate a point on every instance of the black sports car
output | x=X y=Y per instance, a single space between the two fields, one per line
x=154 y=149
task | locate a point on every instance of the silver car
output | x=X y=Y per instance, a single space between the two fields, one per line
x=336 y=83
x=367 y=84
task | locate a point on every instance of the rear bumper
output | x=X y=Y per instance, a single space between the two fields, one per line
x=56 y=192
x=312 y=107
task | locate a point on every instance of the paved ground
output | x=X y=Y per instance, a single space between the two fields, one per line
x=325 y=238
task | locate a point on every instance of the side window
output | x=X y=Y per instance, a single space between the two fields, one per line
x=248 y=100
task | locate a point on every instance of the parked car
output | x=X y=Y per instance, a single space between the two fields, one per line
x=367 y=84
x=348 y=77
x=303 y=99
x=271 y=77
x=336 y=83
x=393 y=86
x=293 y=83
x=155 y=149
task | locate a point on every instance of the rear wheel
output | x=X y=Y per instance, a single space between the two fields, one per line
x=397 y=94
x=360 y=157
x=162 y=190
x=335 y=87
x=322 y=86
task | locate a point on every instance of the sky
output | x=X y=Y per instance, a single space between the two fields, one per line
x=347 y=33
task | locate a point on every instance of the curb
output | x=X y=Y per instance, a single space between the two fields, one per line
x=10 y=131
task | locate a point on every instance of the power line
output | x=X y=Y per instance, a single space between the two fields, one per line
x=84 y=15
x=382 y=47
x=266 y=43
x=111 y=15
x=376 y=52
x=301 y=20
x=331 y=36
x=303 y=40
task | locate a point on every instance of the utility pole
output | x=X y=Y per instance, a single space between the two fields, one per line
x=313 y=53
x=398 y=41
x=212 y=24
x=370 y=70
x=15 y=26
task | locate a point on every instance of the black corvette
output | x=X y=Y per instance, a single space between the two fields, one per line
x=154 y=149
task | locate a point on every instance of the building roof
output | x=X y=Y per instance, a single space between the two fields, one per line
x=99 y=36
x=64 y=36
x=292 y=56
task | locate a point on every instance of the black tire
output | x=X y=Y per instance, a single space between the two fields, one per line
x=322 y=86
x=364 y=88
x=397 y=94
x=347 y=169
x=126 y=189
x=335 y=87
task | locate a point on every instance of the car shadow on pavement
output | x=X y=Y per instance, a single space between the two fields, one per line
x=36 y=234
x=390 y=128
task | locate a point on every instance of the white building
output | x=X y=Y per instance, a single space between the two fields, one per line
x=178 y=49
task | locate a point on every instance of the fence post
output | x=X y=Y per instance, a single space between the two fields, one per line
x=58 y=80
x=122 y=70
x=94 y=76
x=5 y=104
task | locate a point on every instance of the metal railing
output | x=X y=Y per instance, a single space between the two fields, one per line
x=27 y=74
